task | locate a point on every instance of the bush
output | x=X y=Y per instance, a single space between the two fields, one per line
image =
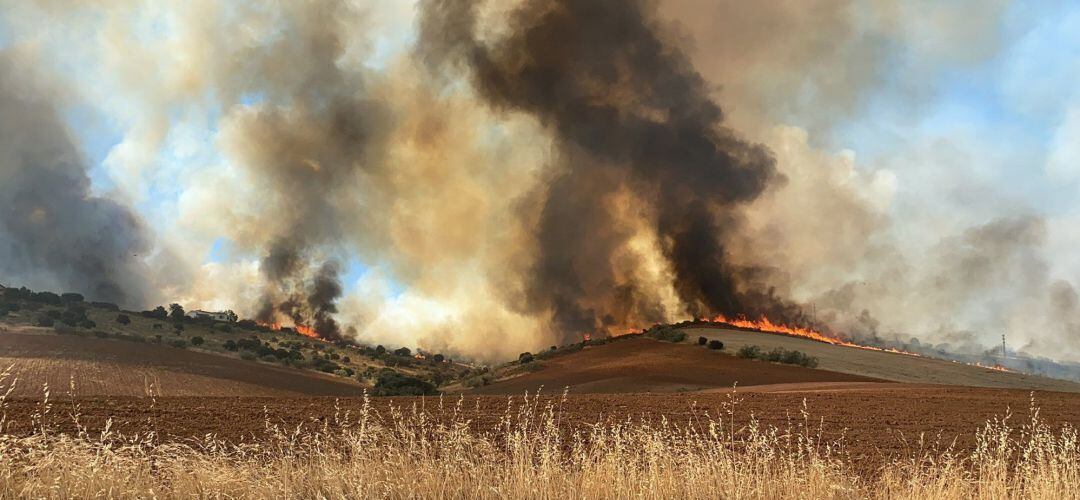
x=72 y=297
x=230 y=345
x=178 y=343
x=749 y=352
x=197 y=341
x=392 y=383
x=716 y=345
x=525 y=357
x=123 y=319
x=247 y=324
x=404 y=351
x=44 y=320
x=101 y=335
x=248 y=355
x=88 y=324
x=438 y=358
x=665 y=333
x=702 y=341
x=380 y=350
x=46 y=298
x=108 y=306
x=779 y=355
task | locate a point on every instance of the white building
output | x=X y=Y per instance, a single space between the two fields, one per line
x=214 y=315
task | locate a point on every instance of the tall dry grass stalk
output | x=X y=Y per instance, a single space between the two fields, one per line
x=408 y=454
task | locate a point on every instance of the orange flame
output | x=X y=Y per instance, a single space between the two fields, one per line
x=304 y=330
x=765 y=325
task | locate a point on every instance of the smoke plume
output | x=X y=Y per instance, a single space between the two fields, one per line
x=630 y=114
x=486 y=177
x=54 y=232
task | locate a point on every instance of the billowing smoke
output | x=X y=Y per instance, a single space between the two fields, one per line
x=54 y=232
x=631 y=115
x=518 y=172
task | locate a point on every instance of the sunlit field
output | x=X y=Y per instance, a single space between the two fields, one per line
x=404 y=453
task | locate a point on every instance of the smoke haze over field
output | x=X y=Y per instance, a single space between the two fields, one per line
x=487 y=177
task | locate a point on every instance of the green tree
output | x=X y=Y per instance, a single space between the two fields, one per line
x=176 y=312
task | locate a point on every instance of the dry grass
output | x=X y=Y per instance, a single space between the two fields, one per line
x=403 y=453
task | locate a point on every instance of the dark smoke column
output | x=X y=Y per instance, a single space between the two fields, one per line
x=54 y=232
x=628 y=112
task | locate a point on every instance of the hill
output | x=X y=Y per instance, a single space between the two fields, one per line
x=895 y=367
x=637 y=363
x=640 y=364
x=194 y=350
x=77 y=366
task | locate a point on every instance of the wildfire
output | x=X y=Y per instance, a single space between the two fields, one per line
x=304 y=330
x=765 y=325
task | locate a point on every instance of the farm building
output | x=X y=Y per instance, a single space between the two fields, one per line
x=214 y=315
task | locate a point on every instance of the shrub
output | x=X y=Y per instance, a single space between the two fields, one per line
x=12 y=306
x=72 y=297
x=702 y=341
x=230 y=345
x=44 y=320
x=247 y=324
x=392 y=383
x=123 y=319
x=101 y=335
x=88 y=324
x=108 y=306
x=716 y=345
x=404 y=351
x=438 y=358
x=525 y=357
x=380 y=350
x=248 y=356
x=749 y=352
x=178 y=343
x=197 y=341
x=665 y=333
x=46 y=298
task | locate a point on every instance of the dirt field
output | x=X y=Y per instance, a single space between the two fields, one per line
x=99 y=367
x=642 y=364
x=874 y=420
x=885 y=365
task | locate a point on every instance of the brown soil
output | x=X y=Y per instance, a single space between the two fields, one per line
x=642 y=364
x=875 y=421
x=97 y=367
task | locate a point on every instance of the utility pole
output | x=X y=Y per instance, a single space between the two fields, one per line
x=1004 y=353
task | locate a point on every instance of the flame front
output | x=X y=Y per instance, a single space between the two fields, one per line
x=765 y=325
x=304 y=330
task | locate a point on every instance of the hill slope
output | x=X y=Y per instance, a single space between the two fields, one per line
x=886 y=365
x=95 y=367
x=640 y=364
